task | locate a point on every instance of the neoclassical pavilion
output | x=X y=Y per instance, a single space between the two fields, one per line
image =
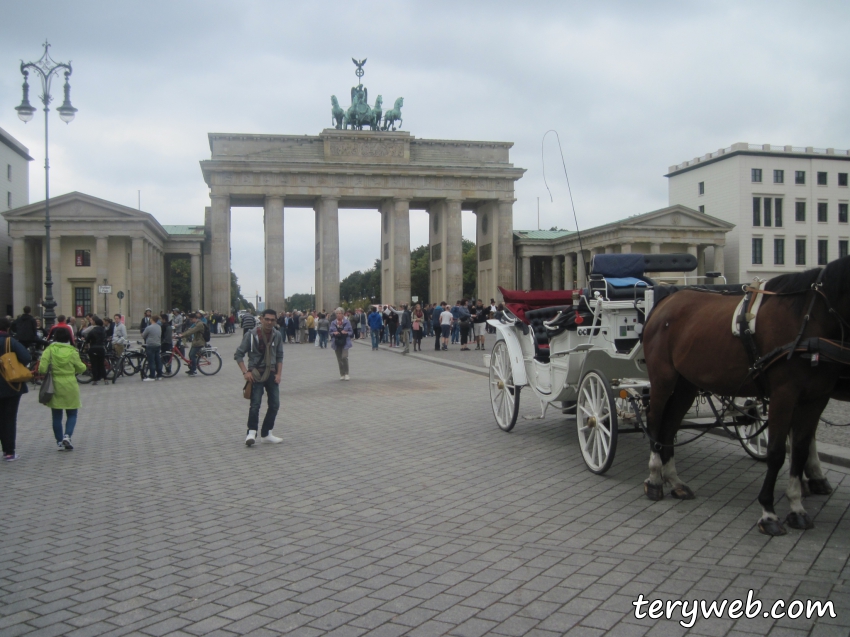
x=390 y=172
x=553 y=260
x=96 y=242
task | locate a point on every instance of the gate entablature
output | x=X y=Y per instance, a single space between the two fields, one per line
x=389 y=171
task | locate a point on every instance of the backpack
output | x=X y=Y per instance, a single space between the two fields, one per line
x=206 y=333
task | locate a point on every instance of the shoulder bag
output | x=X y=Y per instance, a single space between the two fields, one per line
x=12 y=370
x=48 y=389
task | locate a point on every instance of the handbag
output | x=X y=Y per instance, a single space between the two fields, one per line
x=247 y=389
x=48 y=388
x=11 y=369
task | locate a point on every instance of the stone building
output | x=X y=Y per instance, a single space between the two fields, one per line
x=554 y=260
x=96 y=242
x=789 y=204
x=14 y=192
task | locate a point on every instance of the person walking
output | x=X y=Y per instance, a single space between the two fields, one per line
x=96 y=339
x=405 y=325
x=264 y=347
x=375 y=326
x=465 y=321
x=355 y=323
x=311 y=327
x=341 y=333
x=152 y=336
x=446 y=318
x=324 y=326
x=10 y=395
x=436 y=325
x=63 y=361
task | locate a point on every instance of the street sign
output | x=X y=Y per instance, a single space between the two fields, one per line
x=415 y=299
x=120 y=295
x=104 y=289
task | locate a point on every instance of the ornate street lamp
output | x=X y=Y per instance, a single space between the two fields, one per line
x=45 y=69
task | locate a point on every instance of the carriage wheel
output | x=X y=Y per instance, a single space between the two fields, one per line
x=504 y=395
x=747 y=426
x=596 y=422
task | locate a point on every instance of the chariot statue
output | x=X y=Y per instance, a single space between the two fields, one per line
x=360 y=114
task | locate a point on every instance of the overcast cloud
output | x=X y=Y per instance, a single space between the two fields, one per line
x=632 y=87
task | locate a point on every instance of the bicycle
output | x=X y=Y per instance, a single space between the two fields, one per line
x=132 y=360
x=209 y=361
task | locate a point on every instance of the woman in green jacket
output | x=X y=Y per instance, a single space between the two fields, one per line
x=64 y=362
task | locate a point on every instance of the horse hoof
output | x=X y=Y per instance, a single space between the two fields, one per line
x=820 y=487
x=801 y=521
x=653 y=492
x=682 y=492
x=771 y=527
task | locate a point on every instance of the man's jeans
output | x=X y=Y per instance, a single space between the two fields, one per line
x=375 y=338
x=272 y=389
x=323 y=339
x=154 y=354
x=194 y=353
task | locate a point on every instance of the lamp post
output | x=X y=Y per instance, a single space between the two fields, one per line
x=46 y=69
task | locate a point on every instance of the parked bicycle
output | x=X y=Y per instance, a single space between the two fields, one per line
x=209 y=361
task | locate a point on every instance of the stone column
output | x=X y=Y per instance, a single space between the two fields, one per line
x=19 y=276
x=701 y=260
x=655 y=248
x=719 y=265
x=609 y=249
x=581 y=270
x=327 y=254
x=136 y=306
x=556 y=273
x=526 y=273
x=504 y=251
x=401 y=251
x=569 y=277
x=452 y=253
x=626 y=248
x=56 y=275
x=220 y=253
x=196 y=282
x=274 y=281
x=102 y=256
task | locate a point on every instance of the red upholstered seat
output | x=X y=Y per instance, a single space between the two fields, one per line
x=519 y=302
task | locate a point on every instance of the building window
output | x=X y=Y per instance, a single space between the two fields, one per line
x=779 y=252
x=9 y=253
x=821 y=179
x=9 y=172
x=386 y=251
x=822 y=214
x=777 y=213
x=842 y=213
x=436 y=252
x=756 y=174
x=801 y=251
x=82 y=258
x=757 y=250
x=800 y=210
x=823 y=257
x=779 y=176
x=842 y=248
x=702 y=209
x=82 y=301
x=756 y=211
x=9 y=200
x=768 y=216
x=800 y=177
x=842 y=179
x=701 y=187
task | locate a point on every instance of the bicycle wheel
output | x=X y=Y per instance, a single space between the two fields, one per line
x=112 y=368
x=209 y=363
x=86 y=377
x=170 y=364
x=129 y=364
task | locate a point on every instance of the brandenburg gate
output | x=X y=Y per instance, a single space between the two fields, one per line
x=389 y=171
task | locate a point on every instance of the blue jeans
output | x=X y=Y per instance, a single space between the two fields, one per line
x=194 y=353
x=384 y=331
x=69 y=424
x=375 y=339
x=397 y=336
x=455 y=333
x=154 y=354
x=323 y=339
x=272 y=389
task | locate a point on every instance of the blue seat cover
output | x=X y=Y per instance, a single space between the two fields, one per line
x=618 y=265
x=625 y=282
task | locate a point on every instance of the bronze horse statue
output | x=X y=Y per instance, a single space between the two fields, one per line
x=689 y=346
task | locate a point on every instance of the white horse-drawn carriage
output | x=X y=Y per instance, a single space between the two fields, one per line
x=581 y=350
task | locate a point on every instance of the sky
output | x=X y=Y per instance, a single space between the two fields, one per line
x=630 y=87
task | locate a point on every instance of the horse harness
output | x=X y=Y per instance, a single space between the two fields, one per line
x=814 y=348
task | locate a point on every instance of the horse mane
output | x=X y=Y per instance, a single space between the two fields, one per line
x=836 y=281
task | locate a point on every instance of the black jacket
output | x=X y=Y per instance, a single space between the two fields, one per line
x=24 y=328
x=96 y=338
x=146 y=320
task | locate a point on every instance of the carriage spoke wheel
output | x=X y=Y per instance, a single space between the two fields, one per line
x=596 y=422
x=504 y=395
x=746 y=427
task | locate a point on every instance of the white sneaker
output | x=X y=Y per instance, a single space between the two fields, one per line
x=342 y=377
x=60 y=446
x=271 y=439
x=346 y=377
x=148 y=380
x=66 y=442
x=251 y=438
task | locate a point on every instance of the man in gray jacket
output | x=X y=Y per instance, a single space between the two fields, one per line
x=264 y=347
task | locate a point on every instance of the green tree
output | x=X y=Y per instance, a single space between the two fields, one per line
x=470 y=270
x=180 y=294
x=300 y=302
x=420 y=273
x=236 y=299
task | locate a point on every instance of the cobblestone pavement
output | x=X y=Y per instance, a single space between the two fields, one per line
x=394 y=507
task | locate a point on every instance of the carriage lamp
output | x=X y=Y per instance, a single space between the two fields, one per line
x=66 y=111
x=25 y=110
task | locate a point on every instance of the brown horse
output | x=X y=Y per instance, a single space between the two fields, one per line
x=688 y=345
